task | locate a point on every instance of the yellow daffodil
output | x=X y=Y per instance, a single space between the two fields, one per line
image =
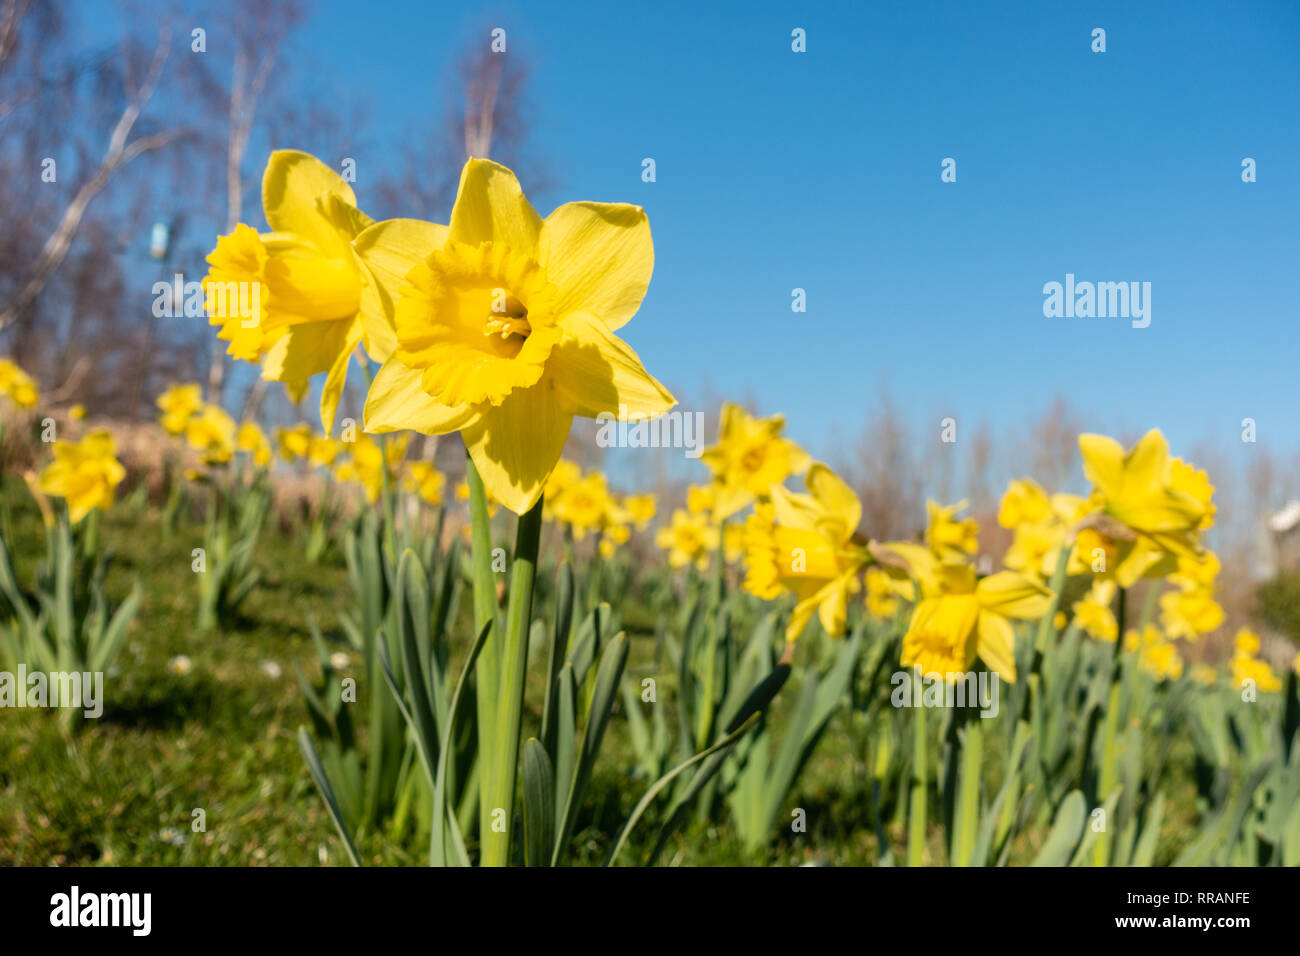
x=640 y=510
x=178 y=405
x=77 y=412
x=882 y=596
x=294 y=443
x=807 y=544
x=564 y=474
x=749 y=459
x=505 y=326
x=688 y=539
x=1247 y=667
x=322 y=450
x=949 y=537
x=1024 y=502
x=423 y=480
x=317 y=300
x=585 y=505
x=212 y=433
x=252 y=439
x=1147 y=507
x=961 y=618
x=17 y=384
x=1190 y=613
x=85 y=473
x=1036 y=545
x=1093 y=614
x=368 y=462
x=1156 y=654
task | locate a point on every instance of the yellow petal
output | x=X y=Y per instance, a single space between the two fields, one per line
x=491 y=207
x=1013 y=595
x=396 y=402
x=516 y=444
x=600 y=257
x=836 y=496
x=595 y=371
x=1103 y=462
x=332 y=391
x=307 y=350
x=997 y=645
x=389 y=250
x=302 y=195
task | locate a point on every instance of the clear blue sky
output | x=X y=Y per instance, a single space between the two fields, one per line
x=821 y=170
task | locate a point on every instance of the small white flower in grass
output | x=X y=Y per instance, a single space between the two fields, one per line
x=272 y=670
x=339 y=661
x=180 y=664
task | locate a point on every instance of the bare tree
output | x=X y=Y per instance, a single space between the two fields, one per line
x=121 y=150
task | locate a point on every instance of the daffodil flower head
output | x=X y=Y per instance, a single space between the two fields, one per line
x=316 y=300
x=807 y=544
x=961 y=617
x=505 y=326
x=1146 y=505
x=750 y=458
x=85 y=474
x=20 y=387
x=688 y=539
x=178 y=405
x=212 y=433
x=948 y=536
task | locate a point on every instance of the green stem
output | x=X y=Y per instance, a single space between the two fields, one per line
x=485 y=610
x=916 y=804
x=510 y=697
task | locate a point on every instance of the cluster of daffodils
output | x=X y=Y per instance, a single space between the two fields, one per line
x=583 y=505
x=498 y=325
x=1142 y=520
x=693 y=536
x=209 y=429
x=1247 y=667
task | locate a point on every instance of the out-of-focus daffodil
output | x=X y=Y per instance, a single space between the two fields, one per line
x=368 y=462
x=961 y=617
x=1146 y=507
x=295 y=442
x=950 y=537
x=1156 y=654
x=1247 y=667
x=1093 y=613
x=1024 y=502
x=423 y=480
x=750 y=458
x=250 y=438
x=505 y=326
x=808 y=544
x=212 y=434
x=640 y=510
x=178 y=405
x=77 y=412
x=882 y=595
x=85 y=473
x=20 y=387
x=688 y=539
